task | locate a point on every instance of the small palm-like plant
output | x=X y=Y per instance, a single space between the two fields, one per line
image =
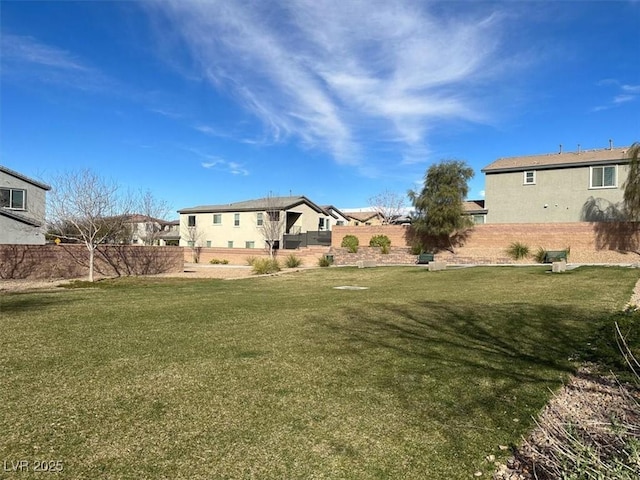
x=518 y=250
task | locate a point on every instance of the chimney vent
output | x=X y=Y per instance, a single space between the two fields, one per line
x=560 y=152
x=610 y=144
x=578 y=149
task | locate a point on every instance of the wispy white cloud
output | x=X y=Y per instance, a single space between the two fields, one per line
x=24 y=58
x=624 y=93
x=327 y=73
x=215 y=162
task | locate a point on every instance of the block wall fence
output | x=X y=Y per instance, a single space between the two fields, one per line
x=588 y=242
x=72 y=261
x=239 y=256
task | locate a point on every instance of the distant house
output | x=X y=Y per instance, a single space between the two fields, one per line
x=367 y=218
x=339 y=218
x=558 y=187
x=243 y=224
x=475 y=210
x=146 y=230
x=22 y=208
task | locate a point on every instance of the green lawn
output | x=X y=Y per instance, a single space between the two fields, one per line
x=421 y=376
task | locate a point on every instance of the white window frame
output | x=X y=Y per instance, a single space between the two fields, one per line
x=229 y=243
x=250 y=244
x=260 y=219
x=615 y=176
x=11 y=201
x=219 y=217
x=525 y=178
x=236 y=219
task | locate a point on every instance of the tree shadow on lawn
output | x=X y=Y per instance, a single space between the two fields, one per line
x=19 y=302
x=479 y=359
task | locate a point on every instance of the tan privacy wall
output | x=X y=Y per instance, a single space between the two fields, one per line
x=588 y=242
x=239 y=256
x=72 y=261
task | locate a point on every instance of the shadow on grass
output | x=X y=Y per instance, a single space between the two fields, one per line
x=19 y=302
x=490 y=358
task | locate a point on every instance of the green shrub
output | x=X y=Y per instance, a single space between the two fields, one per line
x=416 y=249
x=263 y=266
x=539 y=255
x=350 y=242
x=381 y=241
x=292 y=261
x=216 y=261
x=250 y=260
x=518 y=250
x=325 y=261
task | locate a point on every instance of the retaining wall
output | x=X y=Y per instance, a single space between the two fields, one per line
x=588 y=242
x=72 y=261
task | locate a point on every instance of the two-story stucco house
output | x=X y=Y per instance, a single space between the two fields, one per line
x=22 y=208
x=574 y=186
x=246 y=224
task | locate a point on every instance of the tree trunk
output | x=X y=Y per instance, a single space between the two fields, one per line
x=91 y=256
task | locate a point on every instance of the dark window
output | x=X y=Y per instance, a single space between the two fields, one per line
x=13 y=198
x=191 y=221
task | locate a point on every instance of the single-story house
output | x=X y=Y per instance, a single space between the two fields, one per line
x=22 y=208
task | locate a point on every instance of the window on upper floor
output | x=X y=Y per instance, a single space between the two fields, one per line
x=603 y=177
x=191 y=221
x=274 y=216
x=236 y=219
x=260 y=219
x=217 y=219
x=529 y=177
x=13 y=198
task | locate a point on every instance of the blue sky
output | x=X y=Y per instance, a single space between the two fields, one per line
x=208 y=102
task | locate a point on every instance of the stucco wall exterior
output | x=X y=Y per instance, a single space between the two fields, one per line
x=558 y=195
x=218 y=236
x=16 y=232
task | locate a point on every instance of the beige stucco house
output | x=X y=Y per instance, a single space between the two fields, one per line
x=575 y=186
x=22 y=208
x=364 y=217
x=249 y=224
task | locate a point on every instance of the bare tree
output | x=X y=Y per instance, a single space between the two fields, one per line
x=271 y=223
x=154 y=212
x=193 y=236
x=389 y=205
x=89 y=209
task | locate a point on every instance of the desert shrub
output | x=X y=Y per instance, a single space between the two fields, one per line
x=292 y=261
x=539 y=255
x=416 y=249
x=263 y=266
x=518 y=250
x=217 y=261
x=250 y=260
x=325 y=261
x=350 y=242
x=381 y=241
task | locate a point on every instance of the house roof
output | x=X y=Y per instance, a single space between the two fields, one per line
x=20 y=218
x=473 y=206
x=333 y=211
x=260 y=204
x=362 y=216
x=24 y=178
x=558 y=160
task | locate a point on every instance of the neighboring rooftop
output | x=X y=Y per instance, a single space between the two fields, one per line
x=280 y=203
x=556 y=160
x=13 y=173
x=474 y=206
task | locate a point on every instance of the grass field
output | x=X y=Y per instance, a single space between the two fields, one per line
x=422 y=375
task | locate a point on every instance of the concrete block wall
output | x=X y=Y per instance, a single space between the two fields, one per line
x=72 y=261
x=588 y=242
